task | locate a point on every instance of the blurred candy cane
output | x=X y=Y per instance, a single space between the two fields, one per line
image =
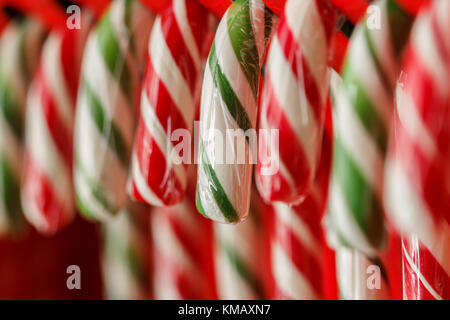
x=239 y=257
x=127 y=254
x=417 y=170
x=20 y=45
x=296 y=235
x=363 y=105
x=182 y=252
x=228 y=111
x=177 y=46
x=294 y=100
x=47 y=194
x=106 y=107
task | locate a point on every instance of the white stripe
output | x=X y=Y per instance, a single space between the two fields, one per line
x=52 y=70
x=294 y=103
x=167 y=69
x=162 y=140
x=141 y=184
x=306 y=25
x=288 y=278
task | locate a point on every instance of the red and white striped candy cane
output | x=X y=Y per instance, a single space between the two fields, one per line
x=168 y=102
x=182 y=253
x=296 y=236
x=47 y=194
x=418 y=170
x=294 y=99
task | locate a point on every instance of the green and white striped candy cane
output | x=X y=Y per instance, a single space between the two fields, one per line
x=107 y=102
x=20 y=45
x=126 y=254
x=238 y=255
x=362 y=107
x=228 y=108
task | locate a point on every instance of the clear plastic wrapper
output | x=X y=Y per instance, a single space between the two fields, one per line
x=228 y=111
x=107 y=104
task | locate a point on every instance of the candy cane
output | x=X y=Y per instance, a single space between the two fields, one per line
x=362 y=115
x=182 y=253
x=168 y=102
x=19 y=49
x=416 y=191
x=228 y=109
x=47 y=180
x=127 y=254
x=296 y=235
x=294 y=99
x=239 y=258
x=105 y=114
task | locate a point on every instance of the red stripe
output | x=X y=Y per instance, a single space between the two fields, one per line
x=153 y=165
x=38 y=190
x=301 y=257
x=299 y=66
x=327 y=17
x=70 y=68
x=197 y=17
x=177 y=47
x=291 y=152
x=55 y=125
x=165 y=108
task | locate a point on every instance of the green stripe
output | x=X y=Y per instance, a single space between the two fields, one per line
x=364 y=108
x=240 y=30
x=10 y=193
x=232 y=102
x=358 y=194
x=10 y=109
x=111 y=53
x=221 y=198
x=96 y=191
x=106 y=127
x=243 y=271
